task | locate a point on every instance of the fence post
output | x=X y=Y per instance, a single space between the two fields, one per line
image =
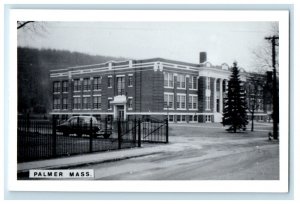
x=134 y=131
x=91 y=135
x=119 y=134
x=27 y=124
x=167 y=131
x=105 y=126
x=139 y=133
x=54 y=136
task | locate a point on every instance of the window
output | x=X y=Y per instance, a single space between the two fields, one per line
x=129 y=103
x=183 y=118
x=56 y=86
x=65 y=103
x=259 y=104
x=86 y=102
x=65 y=86
x=56 y=103
x=77 y=102
x=193 y=82
x=169 y=100
x=109 y=82
x=207 y=99
x=109 y=105
x=97 y=102
x=178 y=118
x=77 y=86
x=130 y=80
x=193 y=102
x=208 y=83
x=121 y=85
x=171 y=118
x=181 y=101
x=86 y=84
x=208 y=118
x=190 y=102
x=97 y=83
x=178 y=102
x=195 y=118
x=168 y=80
x=181 y=81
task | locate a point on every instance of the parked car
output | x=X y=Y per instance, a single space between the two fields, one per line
x=80 y=125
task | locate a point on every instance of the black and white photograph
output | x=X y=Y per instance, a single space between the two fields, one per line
x=119 y=100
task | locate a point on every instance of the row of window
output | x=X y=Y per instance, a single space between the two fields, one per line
x=181 y=81
x=180 y=101
x=87 y=84
x=85 y=102
x=188 y=118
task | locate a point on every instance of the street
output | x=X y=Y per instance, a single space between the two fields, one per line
x=201 y=152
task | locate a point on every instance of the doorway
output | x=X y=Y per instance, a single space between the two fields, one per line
x=120 y=112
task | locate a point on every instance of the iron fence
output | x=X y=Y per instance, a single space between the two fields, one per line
x=44 y=139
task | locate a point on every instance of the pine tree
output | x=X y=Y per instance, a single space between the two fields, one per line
x=234 y=113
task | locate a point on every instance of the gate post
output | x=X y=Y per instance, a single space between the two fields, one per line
x=91 y=135
x=167 y=131
x=139 y=133
x=119 y=134
x=54 y=136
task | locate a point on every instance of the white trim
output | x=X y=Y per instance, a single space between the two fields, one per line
x=109 y=76
x=130 y=74
x=86 y=96
x=76 y=96
x=200 y=70
x=130 y=97
x=81 y=113
x=104 y=70
x=97 y=95
x=169 y=109
x=120 y=75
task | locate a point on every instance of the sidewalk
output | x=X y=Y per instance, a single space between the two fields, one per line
x=93 y=158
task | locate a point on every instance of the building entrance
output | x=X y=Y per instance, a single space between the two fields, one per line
x=120 y=112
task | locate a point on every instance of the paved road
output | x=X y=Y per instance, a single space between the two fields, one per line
x=201 y=153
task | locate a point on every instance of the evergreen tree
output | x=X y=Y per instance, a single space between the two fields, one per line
x=234 y=113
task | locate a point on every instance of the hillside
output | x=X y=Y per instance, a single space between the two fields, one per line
x=33 y=74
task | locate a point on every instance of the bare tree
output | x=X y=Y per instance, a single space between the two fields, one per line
x=262 y=55
x=255 y=87
x=37 y=27
x=21 y=24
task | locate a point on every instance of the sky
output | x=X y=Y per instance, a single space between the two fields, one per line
x=224 y=42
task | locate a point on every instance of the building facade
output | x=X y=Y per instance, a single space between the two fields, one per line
x=158 y=88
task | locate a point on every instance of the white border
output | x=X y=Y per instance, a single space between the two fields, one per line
x=150 y=186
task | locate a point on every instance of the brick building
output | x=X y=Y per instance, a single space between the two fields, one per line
x=159 y=88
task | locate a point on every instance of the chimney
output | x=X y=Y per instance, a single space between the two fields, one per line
x=203 y=57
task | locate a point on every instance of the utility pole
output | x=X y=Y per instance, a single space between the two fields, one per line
x=273 y=40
